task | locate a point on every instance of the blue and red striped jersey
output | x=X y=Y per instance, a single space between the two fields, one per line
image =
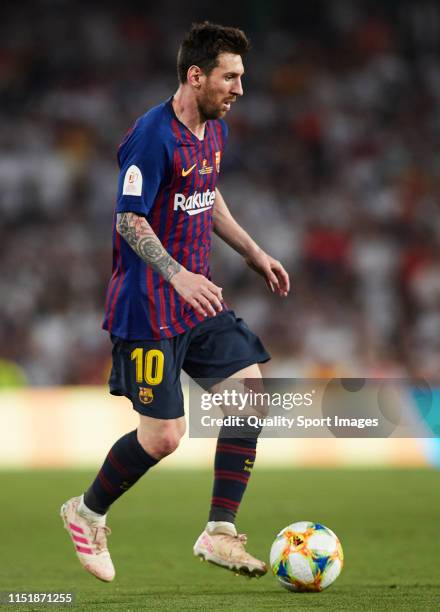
x=169 y=176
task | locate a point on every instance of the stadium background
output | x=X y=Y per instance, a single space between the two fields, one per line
x=333 y=165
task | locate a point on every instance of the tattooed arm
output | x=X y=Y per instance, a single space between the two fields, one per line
x=138 y=233
x=196 y=289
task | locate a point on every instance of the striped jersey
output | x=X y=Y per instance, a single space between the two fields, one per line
x=169 y=176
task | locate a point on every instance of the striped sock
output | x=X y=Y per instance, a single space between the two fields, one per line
x=234 y=459
x=124 y=465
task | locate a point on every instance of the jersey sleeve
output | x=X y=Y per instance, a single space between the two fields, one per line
x=145 y=165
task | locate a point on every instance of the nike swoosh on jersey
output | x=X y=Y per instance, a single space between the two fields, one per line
x=186 y=172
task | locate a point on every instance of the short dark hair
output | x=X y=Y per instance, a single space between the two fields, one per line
x=203 y=44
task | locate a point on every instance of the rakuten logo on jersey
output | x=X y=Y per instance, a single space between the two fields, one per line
x=195 y=203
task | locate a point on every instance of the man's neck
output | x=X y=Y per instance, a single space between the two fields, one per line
x=187 y=112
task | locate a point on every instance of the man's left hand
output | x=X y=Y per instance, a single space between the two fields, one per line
x=272 y=271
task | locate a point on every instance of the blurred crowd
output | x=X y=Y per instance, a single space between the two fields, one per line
x=332 y=164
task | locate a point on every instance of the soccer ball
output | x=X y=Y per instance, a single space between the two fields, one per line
x=306 y=557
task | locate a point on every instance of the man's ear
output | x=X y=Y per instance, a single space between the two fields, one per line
x=195 y=76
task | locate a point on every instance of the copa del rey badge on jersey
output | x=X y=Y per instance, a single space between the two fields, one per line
x=146 y=395
x=132 y=182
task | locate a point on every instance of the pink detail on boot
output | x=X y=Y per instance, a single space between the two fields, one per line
x=83 y=549
x=74 y=527
x=80 y=539
x=206 y=540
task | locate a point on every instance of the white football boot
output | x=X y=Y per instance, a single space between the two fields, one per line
x=89 y=536
x=220 y=544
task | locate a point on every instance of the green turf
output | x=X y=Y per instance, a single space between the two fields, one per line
x=387 y=521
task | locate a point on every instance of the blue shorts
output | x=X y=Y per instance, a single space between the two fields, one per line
x=148 y=371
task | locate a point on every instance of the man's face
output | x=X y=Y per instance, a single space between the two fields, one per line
x=220 y=88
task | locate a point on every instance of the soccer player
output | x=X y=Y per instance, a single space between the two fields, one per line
x=164 y=312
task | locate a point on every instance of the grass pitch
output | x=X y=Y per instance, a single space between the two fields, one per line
x=387 y=521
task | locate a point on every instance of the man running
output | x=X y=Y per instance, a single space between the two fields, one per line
x=164 y=312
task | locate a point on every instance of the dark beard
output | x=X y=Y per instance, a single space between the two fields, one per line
x=207 y=113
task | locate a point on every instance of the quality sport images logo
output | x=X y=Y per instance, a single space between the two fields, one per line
x=196 y=203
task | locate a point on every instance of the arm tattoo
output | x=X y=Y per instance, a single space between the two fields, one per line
x=144 y=242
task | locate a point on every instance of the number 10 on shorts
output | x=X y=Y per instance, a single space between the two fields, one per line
x=149 y=365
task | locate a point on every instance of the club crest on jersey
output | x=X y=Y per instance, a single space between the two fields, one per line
x=195 y=203
x=205 y=169
x=218 y=157
x=146 y=395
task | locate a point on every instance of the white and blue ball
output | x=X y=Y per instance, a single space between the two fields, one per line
x=306 y=556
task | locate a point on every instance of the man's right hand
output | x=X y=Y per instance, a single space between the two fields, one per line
x=197 y=290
